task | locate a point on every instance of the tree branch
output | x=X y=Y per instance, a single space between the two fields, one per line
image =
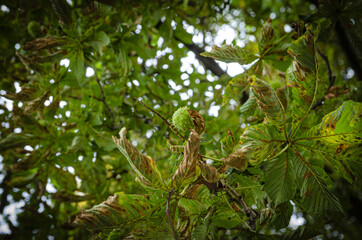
x=208 y=63
x=330 y=76
x=252 y=215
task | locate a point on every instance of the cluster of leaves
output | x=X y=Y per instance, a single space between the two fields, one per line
x=277 y=144
x=294 y=119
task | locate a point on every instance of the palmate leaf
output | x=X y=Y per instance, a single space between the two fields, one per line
x=143 y=165
x=268 y=102
x=263 y=142
x=279 y=179
x=228 y=54
x=338 y=139
x=302 y=77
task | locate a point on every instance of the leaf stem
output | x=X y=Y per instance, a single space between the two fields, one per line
x=280 y=153
x=212 y=158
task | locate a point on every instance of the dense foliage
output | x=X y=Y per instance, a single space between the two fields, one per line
x=120 y=120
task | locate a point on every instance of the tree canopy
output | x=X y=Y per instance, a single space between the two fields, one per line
x=189 y=119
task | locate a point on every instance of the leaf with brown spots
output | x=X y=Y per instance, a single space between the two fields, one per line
x=338 y=139
x=302 y=76
x=268 y=103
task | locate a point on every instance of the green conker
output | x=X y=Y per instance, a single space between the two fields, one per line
x=182 y=119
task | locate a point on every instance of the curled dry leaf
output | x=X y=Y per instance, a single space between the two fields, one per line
x=198 y=120
x=26 y=94
x=238 y=159
x=143 y=165
x=187 y=170
x=42 y=43
x=209 y=172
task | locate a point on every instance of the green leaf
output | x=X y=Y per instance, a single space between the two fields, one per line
x=302 y=76
x=283 y=214
x=14 y=140
x=143 y=165
x=98 y=40
x=279 y=179
x=77 y=64
x=21 y=179
x=338 y=139
x=228 y=54
x=235 y=88
x=315 y=194
x=200 y=231
x=268 y=102
x=227 y=144
x=225 y=218
x=250 y=107
x=342 y=126
x=263 y=141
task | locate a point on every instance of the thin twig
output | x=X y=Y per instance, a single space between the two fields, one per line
x=164 y=119
x=168 y=214
x=330 y=77
x=106 y=104
x=330 y=74
x=252 y=215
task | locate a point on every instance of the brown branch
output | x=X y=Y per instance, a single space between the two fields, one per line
x=168 y=214
x=164 y=119
x=330 y=77
x=208 y=63
x=252 y=215
x=103 y=99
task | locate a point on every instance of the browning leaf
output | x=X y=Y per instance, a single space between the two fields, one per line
x=42 y=43
x=198 y=120
x=209 y=172
x=26 y=94
x=120 y=209
x=238 y=159
x=143 y=165
x=187 y=170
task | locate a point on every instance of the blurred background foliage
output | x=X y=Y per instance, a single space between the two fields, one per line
x=70 y=72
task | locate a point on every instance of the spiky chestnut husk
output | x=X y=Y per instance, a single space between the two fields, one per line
x=182 y=119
